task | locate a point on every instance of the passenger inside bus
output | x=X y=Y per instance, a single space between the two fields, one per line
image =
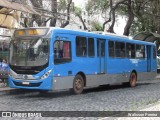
x=62 y=50
x=42 y=50
x=122 y=52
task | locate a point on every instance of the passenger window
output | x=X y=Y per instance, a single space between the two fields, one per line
x=62 y=51
x=154 y=53
x=111 y=49
x=81 y=46
x=120 y=49
x=91 y=51
x=101 y=47
x=130 y=50
x=140 y=51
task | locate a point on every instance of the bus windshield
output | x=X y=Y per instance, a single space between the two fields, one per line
x=29 y=52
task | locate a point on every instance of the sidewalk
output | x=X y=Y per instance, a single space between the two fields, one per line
x=3 y=87
x=152 y=107
x=158 y=76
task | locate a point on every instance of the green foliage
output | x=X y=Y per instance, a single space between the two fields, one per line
x=146 y=15
x=77 y=11
x=62 y=4
x=122 y=10
x=146 y=12
x=96 y=26
x=96 y=6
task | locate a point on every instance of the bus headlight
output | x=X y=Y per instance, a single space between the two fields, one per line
x=46 y=74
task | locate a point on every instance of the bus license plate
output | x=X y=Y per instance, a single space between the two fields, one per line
x=25 y=83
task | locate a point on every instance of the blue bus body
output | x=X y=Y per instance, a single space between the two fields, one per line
x=102 y=66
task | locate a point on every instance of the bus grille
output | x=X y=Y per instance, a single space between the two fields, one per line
x=30 y=84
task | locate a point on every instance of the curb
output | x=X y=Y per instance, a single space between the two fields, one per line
x=6 y=89
x=149 y=81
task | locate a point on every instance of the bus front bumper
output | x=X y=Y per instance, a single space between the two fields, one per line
x=44 y=84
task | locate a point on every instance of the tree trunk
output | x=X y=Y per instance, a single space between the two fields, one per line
x=54 y=9
x=111 y=28
x=68 y=15
x=130 y=19
x=37 y=18
x=81 y=19
x=112 y=15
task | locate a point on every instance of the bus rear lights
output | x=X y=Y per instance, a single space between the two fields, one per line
x=46 y=74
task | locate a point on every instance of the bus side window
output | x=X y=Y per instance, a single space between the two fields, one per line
x=154 y=53
x=111 y=49
x=140 y=51
x=58 y=49
x=56 y=44
x=81 y=46
x=120 y=49
x=66 y=50
x=91 y=52
x=130 y=50
x=55 y=53
x=62 y=51
x=1 y=46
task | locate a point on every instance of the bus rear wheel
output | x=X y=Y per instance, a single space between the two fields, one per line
x=133 y=79
x=78 y=84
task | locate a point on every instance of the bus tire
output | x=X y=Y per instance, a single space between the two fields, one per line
x=78 y=85
x=133 y=79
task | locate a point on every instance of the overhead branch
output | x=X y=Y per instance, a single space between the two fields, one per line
x=68 y=15
x=54 y=9
x=112 y=15
x=37 y=18
x=81 y=19
x=130 y=19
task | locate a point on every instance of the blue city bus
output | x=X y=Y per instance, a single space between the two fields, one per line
x=51 y=58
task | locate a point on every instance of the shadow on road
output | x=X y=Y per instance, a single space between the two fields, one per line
x=23 y=93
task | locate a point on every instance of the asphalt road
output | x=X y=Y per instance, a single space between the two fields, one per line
x=106 y=98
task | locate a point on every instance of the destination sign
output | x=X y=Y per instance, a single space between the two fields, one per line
x=30 y=32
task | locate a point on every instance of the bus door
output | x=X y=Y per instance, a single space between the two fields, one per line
x=101 y=55
x=148 y=58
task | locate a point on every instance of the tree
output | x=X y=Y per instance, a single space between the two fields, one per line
x=112 y=17
x=146 y=15
x=37 y=18
x=142 y=15
x=98 y=7
x=130 y=19
x=59 y=11
x=78 y=12
x=96 y=26
x=54 y=9
x=65 y=9
x=112 y=7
